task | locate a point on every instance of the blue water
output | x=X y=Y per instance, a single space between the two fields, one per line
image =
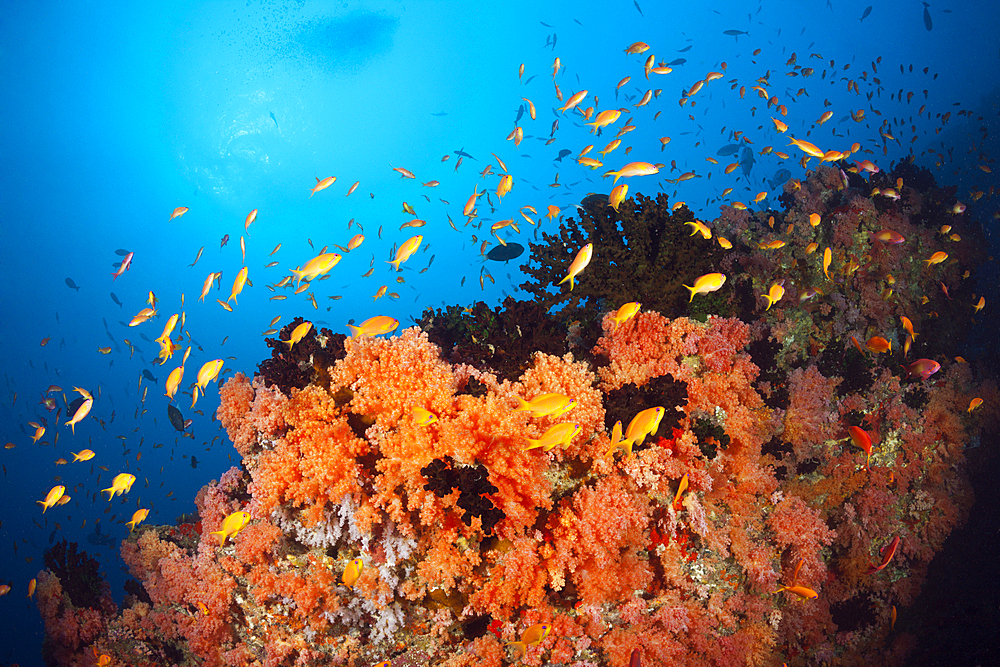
x=114 y=114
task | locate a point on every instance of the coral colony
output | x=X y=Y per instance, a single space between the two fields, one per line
x=461 y=493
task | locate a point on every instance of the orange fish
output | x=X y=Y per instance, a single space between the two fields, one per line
x=618 y=194
x=807 y=147
x=604 y=119
x=573 y=101
x=936 y=258
x=636 y=48
x=802 y=591
x=322 y=184
x=126 y=264
x=634 y=169
x=178 y=212
x=878 y=345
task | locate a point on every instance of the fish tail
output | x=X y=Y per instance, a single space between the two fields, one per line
x=522 y=405
x=519 y=647
x=355 y=331
x=692 y=293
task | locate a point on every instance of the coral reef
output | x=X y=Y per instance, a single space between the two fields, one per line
x=746 y=530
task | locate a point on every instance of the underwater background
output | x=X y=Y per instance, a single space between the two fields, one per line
x=119 y=115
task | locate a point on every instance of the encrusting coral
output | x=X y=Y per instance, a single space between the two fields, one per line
x=744 y=530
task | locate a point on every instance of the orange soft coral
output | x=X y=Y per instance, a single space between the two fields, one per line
x=598 y=538
x=810 y=419
x=235 y=399
x=315 y=464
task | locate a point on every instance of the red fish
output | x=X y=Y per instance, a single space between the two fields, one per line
x=888 y=552
x=888 y=236
x=862 y=441
x=126 y=264
x=922 y=368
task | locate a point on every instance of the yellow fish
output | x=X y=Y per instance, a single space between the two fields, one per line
x=208 y=372
x=317 y=266
x=774 y=294
x=174 y=381
x=322 y=185
x=709 y=282
x=617 y=195
x=80 y=413
x=238 y=284
x=84 y=455
x=406 y=251
x=232 y=525
x=533 y=636
x=560 y=434
x=352 y=572
x=52 y=497
x=551 y=405
x=137 y=518
x=700 y=228
x=643 y=424
x=422 y=417
x=168 y=329
x=122 y=483
x=626 y=312
x=617 y=440
x=936 y=258
x=580 y=262
x=142 y=316
x=634 y=169
x=374 y=326
x=298 y=333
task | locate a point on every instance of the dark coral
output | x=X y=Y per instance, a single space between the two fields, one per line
x=711 y=436
x=850 y=364
x=642 y=252
x=764 y=353
x=473 y=484
x=625 y=403
x=78 y=573
x=305 y=362
x=501 y=340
